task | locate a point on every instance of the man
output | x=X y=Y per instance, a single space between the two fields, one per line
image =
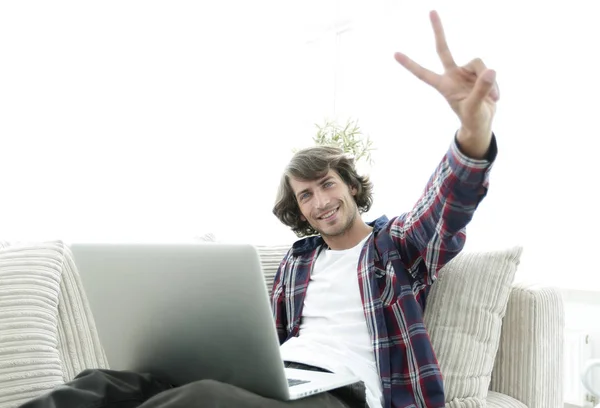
x=352 y=297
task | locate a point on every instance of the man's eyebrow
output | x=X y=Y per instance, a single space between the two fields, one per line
x=325 y=180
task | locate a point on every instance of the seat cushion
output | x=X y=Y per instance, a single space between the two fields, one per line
x=464 y=319
x=30 y=277
x=497 y=400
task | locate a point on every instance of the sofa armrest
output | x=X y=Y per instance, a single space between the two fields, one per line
x=529 y=362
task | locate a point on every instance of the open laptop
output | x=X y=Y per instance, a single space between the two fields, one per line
x=186 y=312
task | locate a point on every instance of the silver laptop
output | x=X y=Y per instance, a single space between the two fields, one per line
x=186 y=312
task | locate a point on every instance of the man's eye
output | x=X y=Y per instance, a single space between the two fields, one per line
x=328 y=184
x=304 y=196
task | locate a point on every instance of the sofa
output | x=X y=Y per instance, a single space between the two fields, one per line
x=499 y=343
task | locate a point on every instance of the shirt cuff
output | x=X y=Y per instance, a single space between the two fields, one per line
x=471 y=170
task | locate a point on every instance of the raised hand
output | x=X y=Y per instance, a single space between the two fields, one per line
x=471 y=91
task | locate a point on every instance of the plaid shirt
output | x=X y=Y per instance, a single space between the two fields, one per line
x=397 y=265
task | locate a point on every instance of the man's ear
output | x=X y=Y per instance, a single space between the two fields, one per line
x=302 y=217
x=353 y=190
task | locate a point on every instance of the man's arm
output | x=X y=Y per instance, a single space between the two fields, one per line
x=433 y=232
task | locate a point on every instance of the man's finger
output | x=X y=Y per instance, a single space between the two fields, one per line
x=425 y=75
x=483 y=87
x=440 y=41
x=477 y=68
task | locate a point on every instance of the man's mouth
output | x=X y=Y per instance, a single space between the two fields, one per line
x=328 y=215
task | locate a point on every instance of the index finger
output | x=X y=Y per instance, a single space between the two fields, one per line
x=440 y=41
x=425 y=75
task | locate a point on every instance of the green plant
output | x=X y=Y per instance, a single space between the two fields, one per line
x=348 y=137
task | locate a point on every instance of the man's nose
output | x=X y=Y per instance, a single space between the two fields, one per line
x=321 y=200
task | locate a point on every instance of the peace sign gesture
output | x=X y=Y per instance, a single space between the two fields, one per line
x=471 y=91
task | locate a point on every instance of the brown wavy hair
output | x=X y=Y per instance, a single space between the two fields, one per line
x=312 y=164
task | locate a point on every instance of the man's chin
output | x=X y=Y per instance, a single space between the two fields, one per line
x=333 y=232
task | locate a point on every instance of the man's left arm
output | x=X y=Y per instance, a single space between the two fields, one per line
x=433 y=232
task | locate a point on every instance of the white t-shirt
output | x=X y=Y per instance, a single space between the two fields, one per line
x=333 y=332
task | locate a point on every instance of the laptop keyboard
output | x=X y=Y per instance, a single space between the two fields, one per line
x=293 y=381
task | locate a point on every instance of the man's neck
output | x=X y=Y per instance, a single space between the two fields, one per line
x=350 y=238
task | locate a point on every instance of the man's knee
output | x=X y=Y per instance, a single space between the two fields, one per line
x=210 y=391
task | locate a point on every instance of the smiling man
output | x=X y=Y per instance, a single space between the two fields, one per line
x=349 y=297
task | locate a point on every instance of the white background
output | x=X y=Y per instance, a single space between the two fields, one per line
x=163 y=121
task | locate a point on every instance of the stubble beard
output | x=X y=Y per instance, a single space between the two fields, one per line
x=344 y=228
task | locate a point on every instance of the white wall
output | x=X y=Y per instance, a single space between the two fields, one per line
x=543 y=186
x=162 y=121
x=145 y=120
x=582 y=309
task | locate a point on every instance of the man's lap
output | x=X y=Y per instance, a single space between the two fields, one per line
x=124 y=389
x=217 y=394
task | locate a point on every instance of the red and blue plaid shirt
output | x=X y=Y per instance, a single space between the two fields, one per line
x=396 y=268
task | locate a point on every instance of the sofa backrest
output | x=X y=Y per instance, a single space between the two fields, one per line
x=48 y=332
x=270 y=258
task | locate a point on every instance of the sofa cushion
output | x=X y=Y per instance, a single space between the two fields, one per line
x=464 y=318
x=30 y=277
x=530 y=364
x=497 y=400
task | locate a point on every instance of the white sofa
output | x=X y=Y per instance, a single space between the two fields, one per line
x=526 y=365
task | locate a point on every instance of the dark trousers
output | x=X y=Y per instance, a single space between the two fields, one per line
x=125 y=389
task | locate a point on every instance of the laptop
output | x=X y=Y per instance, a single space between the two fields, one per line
x=186 y=312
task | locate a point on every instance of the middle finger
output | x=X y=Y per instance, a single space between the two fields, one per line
x=440 y=41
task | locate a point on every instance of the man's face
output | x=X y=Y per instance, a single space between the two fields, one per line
x=326 y=203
